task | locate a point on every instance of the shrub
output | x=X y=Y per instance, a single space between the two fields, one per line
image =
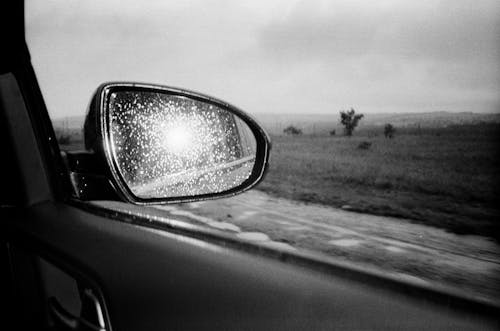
x=365 y=145
x=291 y=130
x=389 y=130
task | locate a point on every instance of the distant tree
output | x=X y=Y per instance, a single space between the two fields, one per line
x=349 y=119
x=291 y=130
x=332 y=132
x=389 y=131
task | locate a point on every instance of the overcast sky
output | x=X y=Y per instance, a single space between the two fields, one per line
x=274 y=56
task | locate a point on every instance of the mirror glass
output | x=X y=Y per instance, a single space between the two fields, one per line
x=168 y=146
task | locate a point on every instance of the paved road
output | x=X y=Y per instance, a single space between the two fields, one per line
x=393 y=245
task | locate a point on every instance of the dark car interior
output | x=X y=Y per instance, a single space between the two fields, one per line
x=67 y=264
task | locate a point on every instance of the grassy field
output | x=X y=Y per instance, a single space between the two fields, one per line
x=443 y=177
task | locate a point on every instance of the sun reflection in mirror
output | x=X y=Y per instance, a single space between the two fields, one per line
x=177 y=137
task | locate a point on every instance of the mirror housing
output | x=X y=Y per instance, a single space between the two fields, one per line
x=168 y=145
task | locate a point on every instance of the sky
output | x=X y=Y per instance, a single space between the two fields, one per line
x=266 y=56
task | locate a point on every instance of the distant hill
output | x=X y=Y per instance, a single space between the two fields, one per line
x=323 y=123
x=431 y=120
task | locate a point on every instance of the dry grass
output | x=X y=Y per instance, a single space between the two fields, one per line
x=447 y=179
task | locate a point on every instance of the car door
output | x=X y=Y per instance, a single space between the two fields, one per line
x=72 y=265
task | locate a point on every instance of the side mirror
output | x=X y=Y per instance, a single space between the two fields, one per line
x=163 y=144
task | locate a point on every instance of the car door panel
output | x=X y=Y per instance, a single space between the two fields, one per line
x=151 y=279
